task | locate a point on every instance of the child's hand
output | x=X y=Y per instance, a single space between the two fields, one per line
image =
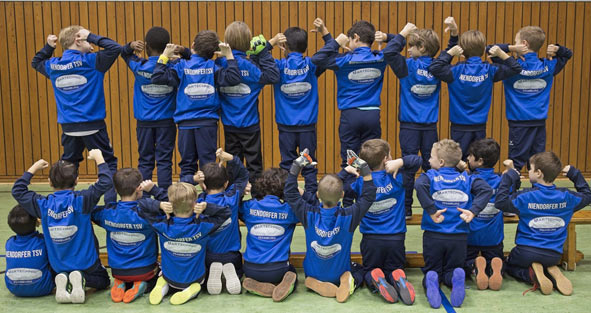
x=225 y=51
x=408 y=28
x=320 y=27
x=466 y=215
x=223 y=155
x=496 y=51
x=169 y=50
x=37 y=166
x=247 y=189
x=343 y=41
x=96 y=155
x=455 y=51
x=166 y=207
x=147 y=185
x=200 y=207
x=380 y=37
x=438 y=217
x=393 y=166
x=137 y=46
x=551 y=51
x=279 y=39
x=199 y=177
x=52 y=40
x=451 y=26
x=565 y=170
x=83 y=34
x=351 y=170
x=462 y=166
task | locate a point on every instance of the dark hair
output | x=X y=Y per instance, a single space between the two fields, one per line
x=271 y=182
x=330 y=190
x=365 y=30
x=215 y=175
x=20 y=221
x=126 y=181
x=548 y=163
x=297 y=39
x=374 y=151
x=486 y=149
x=63 y=174
x=157 y=38
x=206 y=43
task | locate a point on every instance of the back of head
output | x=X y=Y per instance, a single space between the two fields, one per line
x=216 y=175
x=20 y=221
x=425 y=38
x=297 y=39
x=374 y=151
x=183 y=197
x=63 y=175
x=486 y=149
x=126 y=181
x=238 y=36
x=330 y=190
x=365 y=30
x=157 y=38
x=548 y=163
x=534 y=35
x=67 y=35
x=473 y=43
x=206 y=43
x=449 y=151
x=271 y=182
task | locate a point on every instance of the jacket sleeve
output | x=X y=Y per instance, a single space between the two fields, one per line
x=215 y=215
x=482 y=192
x=165 y=75
x=159 y=194
x=562 y=56
x=441 y=67
x=363 y=203
x=93 y=194
x=504 y=198
x=229 y=76
x=411 y=163
x=583 y=191
x=294 y=199
x=238 y=174
x=25 y=197
x=423 y=188
x=393 y=57
x=325 y=58
x=41 y=58
x=505 y=68
x=106 y=57
x=128 y=56
x=265 y=62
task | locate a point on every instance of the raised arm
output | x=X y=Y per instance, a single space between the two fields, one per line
x=562 y=54
x=506 y=65
x=214 y=214
x=43 y=55
x=583 y=191
x=21 y=193
x=363 y=203
x=229 y=76
x=106 y=57
x=93 y=194
x=128 y=53
x=164 y=74
x=395 y=45
x=504 y=198
x=265 y=62
x=482 y=193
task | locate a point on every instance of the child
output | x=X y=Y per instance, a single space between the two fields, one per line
x=419 y=96
x=270 y=223
x=28 y=273
x=183 y=241
x=527 y=95
x=329 y=230
x=240 y=103
x=470 y=83
x=77 y=78
x=383 y=226
x=132 y=244
x=360 y=76
x=296 y=100
x=71 y=245
x=153 y=107
x=197 y=102
x=450 y=200
x=223 y=252
x=544 y=213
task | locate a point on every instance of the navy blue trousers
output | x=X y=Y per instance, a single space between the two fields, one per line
x=290 y=143
x=196 y=144
x=465 y=137
x=156 y=146
x=521 y=258
x=444 y=253
x=525 y=142
x=74 y=147
x=246 y=146
x=488 y=252
x=268 y=273
x=388 y=255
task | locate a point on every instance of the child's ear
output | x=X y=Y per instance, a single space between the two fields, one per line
x=480 y=162
x=342 y=194
x=226 y=185
x=441 y=163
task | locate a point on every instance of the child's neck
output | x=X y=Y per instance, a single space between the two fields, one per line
x=129 y=198
x=63 y=189
x=186 y=215
x=214 y=191
x=545 y=183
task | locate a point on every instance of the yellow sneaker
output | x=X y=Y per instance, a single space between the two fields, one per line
x=159 y=291
x=186 y=295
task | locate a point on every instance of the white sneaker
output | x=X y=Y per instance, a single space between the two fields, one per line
x=214 y=281
x=77 y=280
x=232 y=281
x=61 y=294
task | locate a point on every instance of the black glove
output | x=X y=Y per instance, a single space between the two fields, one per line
x=302 y=161
x=358 y=163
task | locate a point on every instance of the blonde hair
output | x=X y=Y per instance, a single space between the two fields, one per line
x=473 y=43
x=534 y=35
x=449 y=151
x=183 y=197
x=238 y=36
x=425 y=38
x=330 y=190
x=67 y=35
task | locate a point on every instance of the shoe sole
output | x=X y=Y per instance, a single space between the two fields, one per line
x=482 y=280
x=214 y=282
x=61 y=294
x=232 y=281
x=118 y=291
x=544 y=282
x=386 y=290
x=458 y=290
x=563 y=284
x=433 y=295
x=258 y=288
x=156 y=294
x=405 y=289
x=344 y=289
x=185 y=295
x=78 y=295
x=285 y=288
x=132 y=294
x=322 y=288
x=496 y=279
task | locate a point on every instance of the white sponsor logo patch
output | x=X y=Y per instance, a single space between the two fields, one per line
x=365 y=75
x=70 y=82
x=61 y=234
x=423 y=90
x=199 y=91
x=182 y=249
x=382 y=206
x=239 y=90
x=489 y=211
x=325 y=252
x=546 y=223
x=157 y=91
x=450 y=196
x=530 y=85
x=296 y=89
x=127 y=239
x=267 y=231
x=23 y=275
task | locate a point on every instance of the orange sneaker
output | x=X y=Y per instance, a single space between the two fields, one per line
x=118 y=290
x=138 y=289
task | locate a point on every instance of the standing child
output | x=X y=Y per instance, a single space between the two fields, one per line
x=77 y=78
x=450 y=200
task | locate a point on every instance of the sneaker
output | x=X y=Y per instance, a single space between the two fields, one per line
x=496 y=279
x=481 y=277
x=378 y=280
x=432 y=284
x=458 y=291
x=160 y=290
x=78 y=294
x=285 y=287
x=322 y=288
x=346 y=288
x=561 y=282
x=187 y=294
x=545 y=285
x=232 y=281
x=258 y=288
x=405 y=289
x=138 y=289
x=117 y=290
x=214 y=281
x=61 y=294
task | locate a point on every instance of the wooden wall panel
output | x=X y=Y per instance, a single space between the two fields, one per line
x=29 y=129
